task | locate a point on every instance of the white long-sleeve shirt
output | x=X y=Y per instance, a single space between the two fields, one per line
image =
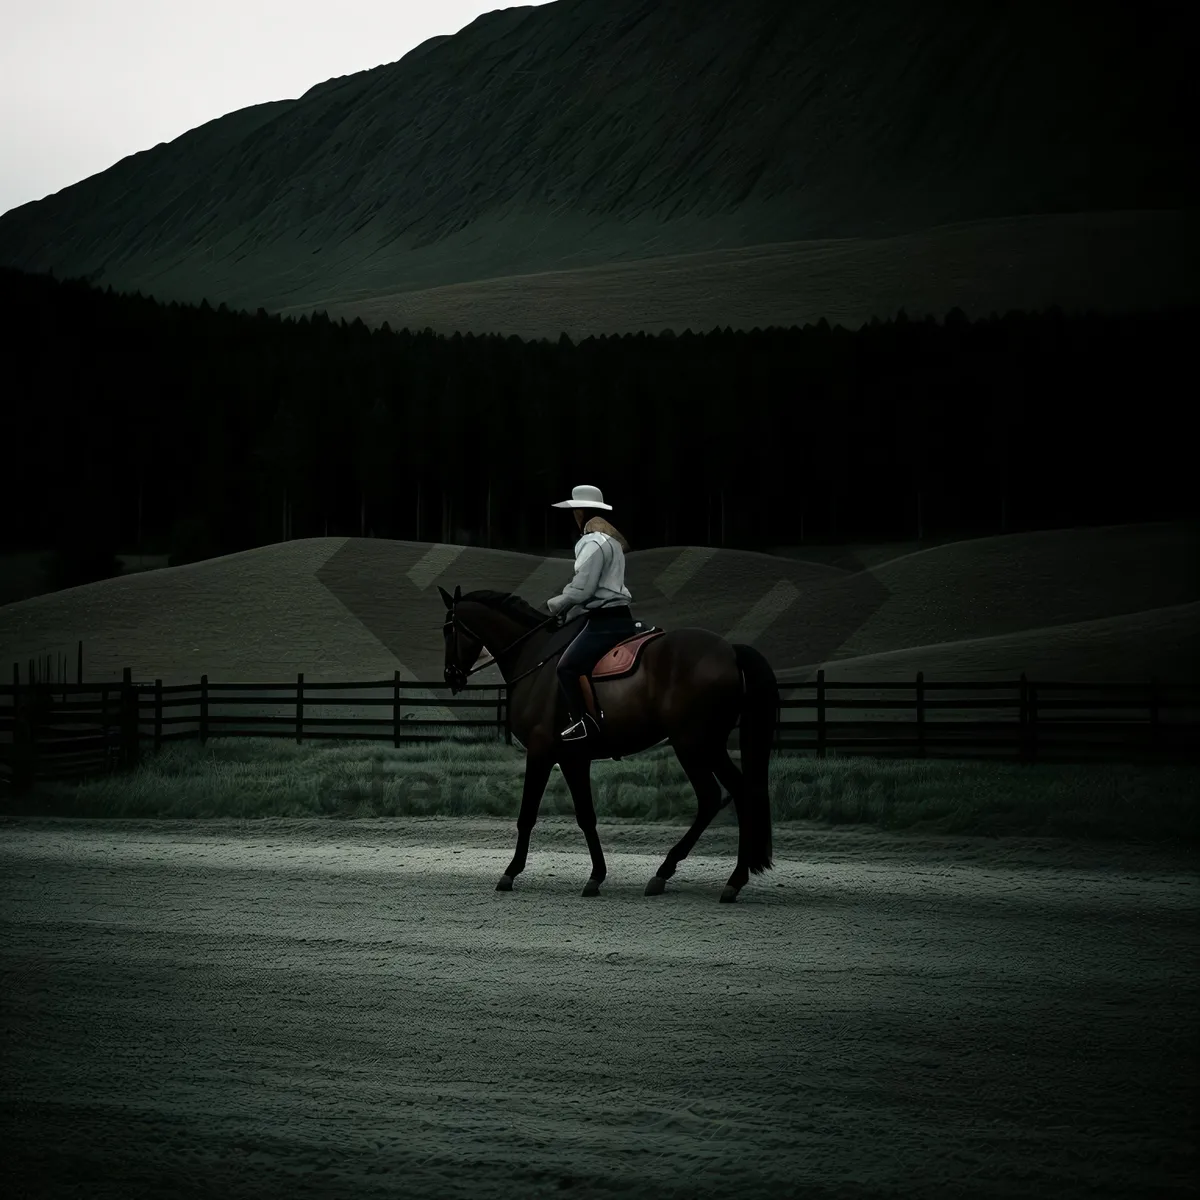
x=599 y=575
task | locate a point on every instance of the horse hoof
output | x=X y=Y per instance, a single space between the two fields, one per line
x=505 y=884
x=591 y=888
x=729 y=895
x=655 y=886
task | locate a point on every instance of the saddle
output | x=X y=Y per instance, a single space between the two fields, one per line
x=616 y=663
x=622 y=659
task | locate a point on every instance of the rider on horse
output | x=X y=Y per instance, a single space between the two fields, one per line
x=599 y=589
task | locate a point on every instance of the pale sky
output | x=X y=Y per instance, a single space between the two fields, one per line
x=83 y=83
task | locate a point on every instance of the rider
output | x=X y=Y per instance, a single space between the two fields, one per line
x=599 y=588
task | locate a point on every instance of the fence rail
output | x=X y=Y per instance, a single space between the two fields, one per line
x=53 y=729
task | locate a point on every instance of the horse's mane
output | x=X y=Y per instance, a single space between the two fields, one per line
x=507 y=602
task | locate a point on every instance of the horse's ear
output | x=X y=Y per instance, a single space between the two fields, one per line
x=457 y=592
x=446 y=596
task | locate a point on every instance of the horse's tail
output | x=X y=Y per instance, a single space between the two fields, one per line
x=760 y=719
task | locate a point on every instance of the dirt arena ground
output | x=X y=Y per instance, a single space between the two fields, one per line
x=349 y=1009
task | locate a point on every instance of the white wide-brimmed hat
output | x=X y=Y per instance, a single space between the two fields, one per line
x=584 y=496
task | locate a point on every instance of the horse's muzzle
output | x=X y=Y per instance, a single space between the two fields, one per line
x=456 y=678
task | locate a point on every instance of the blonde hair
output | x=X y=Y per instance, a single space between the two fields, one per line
x=601 y=524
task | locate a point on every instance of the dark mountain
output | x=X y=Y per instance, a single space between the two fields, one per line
x=593 y=132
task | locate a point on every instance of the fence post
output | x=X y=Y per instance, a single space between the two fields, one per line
x=821 y=713
x=130 y=720
x=1023 y=720
x=24 y=766
x=104 y=725
x=507 y=717
x=396 y=709
x=123 y=721
x=299 y=707
x=128 y=717
x=1154 y=703
x=203 y=710
x=158 y=707
x=921 y=714
x=1033 y=716
x=135 y=722
x=79 y=663
x=135 y=728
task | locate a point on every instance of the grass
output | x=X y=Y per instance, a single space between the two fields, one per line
x=479 y=776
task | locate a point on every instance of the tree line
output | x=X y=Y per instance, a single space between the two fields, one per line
x=186 y=430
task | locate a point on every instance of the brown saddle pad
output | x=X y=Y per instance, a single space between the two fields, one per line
x=623 y=657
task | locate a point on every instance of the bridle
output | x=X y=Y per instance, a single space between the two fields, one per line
x=454 y=674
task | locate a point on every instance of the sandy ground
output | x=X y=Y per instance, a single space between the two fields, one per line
x=349 y=1009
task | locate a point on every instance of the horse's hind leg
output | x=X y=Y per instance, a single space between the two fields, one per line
x=708 y=794
x=731 y=777
x=729 y=774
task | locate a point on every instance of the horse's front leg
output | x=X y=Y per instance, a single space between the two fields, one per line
x=577 y=771
x=539 y=759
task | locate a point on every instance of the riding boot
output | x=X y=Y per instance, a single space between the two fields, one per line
x=576 y=726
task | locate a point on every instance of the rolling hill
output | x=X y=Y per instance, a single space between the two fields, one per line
x=1110 y=604
x=611 y=165
x=1148 y=260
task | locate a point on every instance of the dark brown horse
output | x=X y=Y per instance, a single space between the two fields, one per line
x=690 y=687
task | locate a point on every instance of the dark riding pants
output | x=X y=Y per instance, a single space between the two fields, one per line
x=602 y=630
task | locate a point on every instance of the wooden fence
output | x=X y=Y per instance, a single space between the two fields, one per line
x=1023 y=719
x=54 y=729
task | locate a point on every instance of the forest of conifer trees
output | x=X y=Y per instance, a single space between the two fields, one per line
x=179 y=429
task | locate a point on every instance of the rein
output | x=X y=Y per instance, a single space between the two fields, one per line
x=456 y=623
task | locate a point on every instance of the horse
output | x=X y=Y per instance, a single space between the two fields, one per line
x=689 y=687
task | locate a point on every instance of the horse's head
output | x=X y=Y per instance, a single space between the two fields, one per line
x=462 y=646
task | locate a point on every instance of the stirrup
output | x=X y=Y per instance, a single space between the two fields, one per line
x=574 y=731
